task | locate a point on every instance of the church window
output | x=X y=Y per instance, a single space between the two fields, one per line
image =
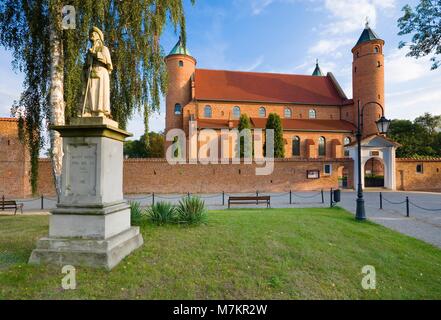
x=181 y=63
x=376 y=50
x=347 y=142
x=296 y=146
x=312 y=114
x=262 y=112
x=208 y=112
x=236 y=112
x=322 y=147
x=288 y=113
x=178 y=109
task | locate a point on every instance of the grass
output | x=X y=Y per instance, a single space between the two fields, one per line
x=238 y=254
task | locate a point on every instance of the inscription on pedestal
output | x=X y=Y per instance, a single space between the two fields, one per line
x=82 y=170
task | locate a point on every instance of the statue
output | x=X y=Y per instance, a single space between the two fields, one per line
x=97 y=70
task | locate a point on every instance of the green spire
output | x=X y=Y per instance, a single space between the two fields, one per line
x=367 y=35
x=317 y=72
x=179 y=49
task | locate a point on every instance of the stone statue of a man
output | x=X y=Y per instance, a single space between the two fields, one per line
x=97 y=70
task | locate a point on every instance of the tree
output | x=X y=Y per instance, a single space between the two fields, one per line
x=138 y=149
x=424 y=22
x=419 y=138
x=429 y=122
x=52 y=58
x=275 y=122
x=245 y=124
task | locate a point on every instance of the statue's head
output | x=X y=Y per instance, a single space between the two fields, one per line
x=96 y=34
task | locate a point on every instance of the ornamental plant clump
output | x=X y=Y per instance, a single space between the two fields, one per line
x=162 y=213
x=191 y=211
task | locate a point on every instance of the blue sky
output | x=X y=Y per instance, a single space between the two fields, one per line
x=286 y=36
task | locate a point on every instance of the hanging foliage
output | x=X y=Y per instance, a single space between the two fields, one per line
x=132 y=30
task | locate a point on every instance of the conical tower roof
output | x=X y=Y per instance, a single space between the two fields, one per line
x=317 y=71
x=367 y=35
x=179 y=49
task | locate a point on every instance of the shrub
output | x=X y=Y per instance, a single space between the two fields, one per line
x=191 y=211
x=136 y=213
x=162 y=213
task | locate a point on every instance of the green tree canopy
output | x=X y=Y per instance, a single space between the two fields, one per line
x=244 y=124
x=275 y=122
x=424 y=22
x=419 y=138
x=52 y=59
x=138 y=148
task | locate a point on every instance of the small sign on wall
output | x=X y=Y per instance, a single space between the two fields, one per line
x=313 y=174
x=375 y=153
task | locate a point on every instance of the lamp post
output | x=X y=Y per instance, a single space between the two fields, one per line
x=382 y=126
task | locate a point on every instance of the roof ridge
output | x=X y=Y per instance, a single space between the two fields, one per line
x=261 y=72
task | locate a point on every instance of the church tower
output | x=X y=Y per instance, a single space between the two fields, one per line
x=368 y=79
x=181 y=67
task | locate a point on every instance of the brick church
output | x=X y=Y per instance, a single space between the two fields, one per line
x=318 y=118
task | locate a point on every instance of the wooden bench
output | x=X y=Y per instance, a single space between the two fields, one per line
x=250 y=200
x=11 y=204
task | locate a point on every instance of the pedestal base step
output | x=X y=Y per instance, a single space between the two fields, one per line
x=87 y=252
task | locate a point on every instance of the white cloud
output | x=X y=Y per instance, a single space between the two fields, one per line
x=350 y=15
x=257 y=6
x=400 y=68
x=257 y=63
x=328 y=46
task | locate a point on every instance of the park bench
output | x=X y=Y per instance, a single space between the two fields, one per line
x=250 y=200
x=11 y=204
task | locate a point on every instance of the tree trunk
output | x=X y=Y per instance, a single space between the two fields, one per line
x=56 y=99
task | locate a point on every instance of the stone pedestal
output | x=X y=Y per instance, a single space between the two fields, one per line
x=91 y=225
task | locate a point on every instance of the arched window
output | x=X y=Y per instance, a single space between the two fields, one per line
x=376 y=49
x=262 y=112
x=322 y=147
x=312 y=114
x=288 y=113
x=296 y=146
x=178 y=109
x=208 y=112
x=181 y=63
x=236 y=112
x=347 y=141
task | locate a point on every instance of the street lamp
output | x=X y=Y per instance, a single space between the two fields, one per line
x=382 y=126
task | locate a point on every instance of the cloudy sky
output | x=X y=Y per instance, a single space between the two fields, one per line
x=287 y=36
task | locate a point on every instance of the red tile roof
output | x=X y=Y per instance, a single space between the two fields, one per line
x=287 y=124
x=240 y=86
x=9 y=119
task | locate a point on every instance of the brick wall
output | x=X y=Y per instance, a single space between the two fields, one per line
x=409 y=179
x=14 y=161
x=156 y=175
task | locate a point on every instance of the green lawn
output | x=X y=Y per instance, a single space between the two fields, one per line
x=239 y=254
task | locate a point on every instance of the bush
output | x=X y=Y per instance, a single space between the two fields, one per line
x=191 y=211
x=162 y=213
x=136 y=213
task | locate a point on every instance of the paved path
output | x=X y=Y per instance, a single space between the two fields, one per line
x=422 y=224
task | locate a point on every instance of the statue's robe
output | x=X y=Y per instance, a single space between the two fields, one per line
x=98 y=96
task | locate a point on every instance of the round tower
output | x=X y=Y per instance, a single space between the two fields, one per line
x=368 y=79
x=180 y=67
